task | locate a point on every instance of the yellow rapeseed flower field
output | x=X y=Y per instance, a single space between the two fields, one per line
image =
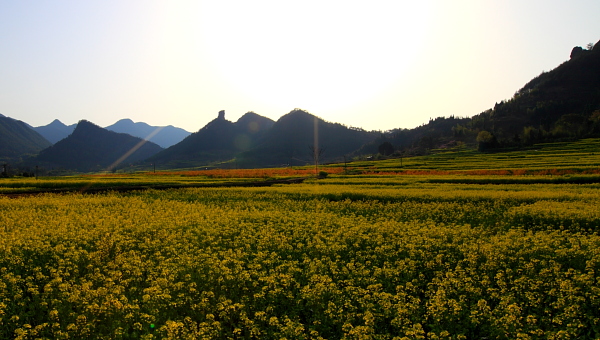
x=364 y=258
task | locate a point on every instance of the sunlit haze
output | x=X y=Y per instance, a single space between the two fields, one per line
x=378 y=65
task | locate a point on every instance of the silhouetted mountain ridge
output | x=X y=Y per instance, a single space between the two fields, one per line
x=55 y=131
x=253 y=123
x=164 y=136
x=294 y=137
x=256 y=141
x=563 y=103
x=220 y=140
x=92 y=148
x=18 y=140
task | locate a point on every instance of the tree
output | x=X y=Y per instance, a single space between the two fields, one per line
x=595 y=121
x=572 y=125
x=486 y=140
x=386 y=148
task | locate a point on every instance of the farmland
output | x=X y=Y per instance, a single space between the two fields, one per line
x=432 y=249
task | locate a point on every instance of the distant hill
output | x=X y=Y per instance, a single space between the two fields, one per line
x=18 y=140
x=562 y=104
x=253 y=124
x=55 y=131
x=165 y=136
x=220 y=140
x=256 y=141
x=438 y=132
x=92 y=148
x=293 y=138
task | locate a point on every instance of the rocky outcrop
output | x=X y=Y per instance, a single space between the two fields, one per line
x=576 y=52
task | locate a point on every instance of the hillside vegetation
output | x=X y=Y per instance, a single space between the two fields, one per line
x=18 y=140
x=561 y=104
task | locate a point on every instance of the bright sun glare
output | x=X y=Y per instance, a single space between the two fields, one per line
x=314 y=55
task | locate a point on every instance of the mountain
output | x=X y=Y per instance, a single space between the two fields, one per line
x=437 y=133
x=561 y=104
x=220 y=140
x=572 y=88
x=253 y=124
x=165 y=136
x=256 y=141
x=92 y=148
x=55 y=131
x=293 y=139
x=18 y=140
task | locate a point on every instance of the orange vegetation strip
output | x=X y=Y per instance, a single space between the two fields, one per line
x=515 y=172
x=281 y=172
x=247 y=173
x=108 y=175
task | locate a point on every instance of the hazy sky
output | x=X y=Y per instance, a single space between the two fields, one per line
x=372 y=64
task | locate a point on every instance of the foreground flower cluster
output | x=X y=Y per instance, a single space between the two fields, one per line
x=327 y=261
